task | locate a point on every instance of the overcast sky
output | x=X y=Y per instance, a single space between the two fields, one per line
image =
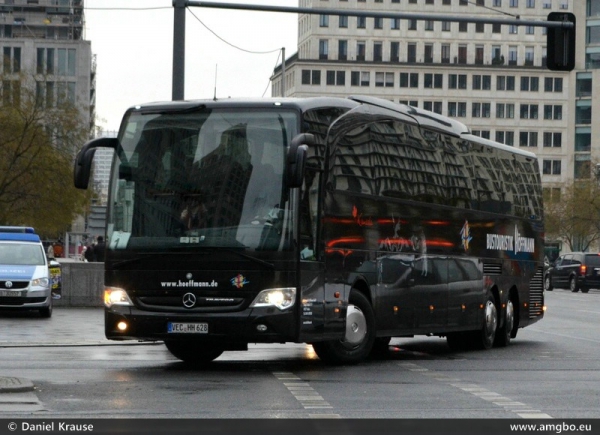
x=134 y=51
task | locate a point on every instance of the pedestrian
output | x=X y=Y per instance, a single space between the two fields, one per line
x=99 y=249
x=89 y=253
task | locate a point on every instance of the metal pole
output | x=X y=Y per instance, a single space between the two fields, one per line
x=178 y=89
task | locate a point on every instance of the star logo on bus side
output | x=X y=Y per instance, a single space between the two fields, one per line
x=465 y=235
x=239 y=280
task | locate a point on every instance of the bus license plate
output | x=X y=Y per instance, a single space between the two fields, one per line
x=9 y=293
x=187 y=328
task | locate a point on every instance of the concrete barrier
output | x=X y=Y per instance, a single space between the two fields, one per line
x=82 y=284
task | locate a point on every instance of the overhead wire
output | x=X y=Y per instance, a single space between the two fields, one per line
x=239 y=48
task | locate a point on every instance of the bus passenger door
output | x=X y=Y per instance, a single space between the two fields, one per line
x=429 y=290
x=395 y=306
x=465 y=287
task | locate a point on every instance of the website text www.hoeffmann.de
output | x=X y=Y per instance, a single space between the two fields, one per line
x=551 y=427
x=189 y=283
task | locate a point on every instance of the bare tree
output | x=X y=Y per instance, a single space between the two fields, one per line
x=38 y=138
x=575 y=218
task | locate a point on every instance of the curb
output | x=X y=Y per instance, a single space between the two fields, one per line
x=15 y=385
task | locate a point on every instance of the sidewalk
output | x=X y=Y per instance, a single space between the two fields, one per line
x=68 y=326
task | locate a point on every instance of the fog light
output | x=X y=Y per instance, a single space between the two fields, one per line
x=261 y=328
x=122 y=326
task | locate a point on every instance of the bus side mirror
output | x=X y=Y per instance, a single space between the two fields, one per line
x=560 y=42
x=296 y=158
x=83 y=161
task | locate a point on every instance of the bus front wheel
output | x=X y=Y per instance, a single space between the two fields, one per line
x=192 y=353
x=359 y=337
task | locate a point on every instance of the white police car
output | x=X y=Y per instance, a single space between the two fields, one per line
x=24 y=275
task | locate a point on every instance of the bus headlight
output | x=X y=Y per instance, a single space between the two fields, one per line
x=40 y=282
x=282 y=298
x=116 y=296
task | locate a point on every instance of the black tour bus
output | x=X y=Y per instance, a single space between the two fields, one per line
x=336 y=222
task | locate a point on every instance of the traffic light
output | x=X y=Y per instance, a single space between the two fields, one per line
x=560 y=42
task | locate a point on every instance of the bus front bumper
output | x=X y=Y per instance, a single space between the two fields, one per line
x=227 y=329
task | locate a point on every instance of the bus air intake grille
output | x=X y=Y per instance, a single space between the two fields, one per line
x=492 y=269
x=536 y=294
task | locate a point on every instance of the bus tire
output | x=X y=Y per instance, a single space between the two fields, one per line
x=359 y=338
x=484 y=338
x=192 y=353
x=504 y=333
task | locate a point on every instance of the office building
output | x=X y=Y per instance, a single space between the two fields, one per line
x=491 y=77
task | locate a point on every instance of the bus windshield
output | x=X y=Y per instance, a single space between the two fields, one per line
x=202 y=178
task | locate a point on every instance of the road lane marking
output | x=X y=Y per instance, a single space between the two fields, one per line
x=519 y=408
x=305 y=394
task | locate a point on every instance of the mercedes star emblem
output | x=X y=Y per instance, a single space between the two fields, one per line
x=189 y=300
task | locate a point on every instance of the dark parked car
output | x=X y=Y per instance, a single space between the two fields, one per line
x=575 y=271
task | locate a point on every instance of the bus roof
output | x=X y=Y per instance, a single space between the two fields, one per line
x=425 y=118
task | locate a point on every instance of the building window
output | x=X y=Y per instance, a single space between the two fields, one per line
x=482 y=82
x=377 y=51
x=433 y=106
x=311 y=77
x=529 y=111
x=412 y=24
x=395 y=23
x=336 y=78
x=528 y=138
x=323 y=20
x=409 y=80
x=446 y=26
x=429 y=25
x=323 y=49
x=45 y=61
x=552 y=139
x=411 y=52
x=553 y=111
x=360 y=50
x=12 y=60
x=555 y=84
x=551 y=167
x=505 y=110
x=433 y=81
x=66 y=62
x=378 y=23
x=343 y=21
x=445 y=53
x=531 y=84
x=342 y=49
x=428 y=54
x=394 y=51
x=457 y=109
x=361 y=22
x=457 y=81
x=506 y=137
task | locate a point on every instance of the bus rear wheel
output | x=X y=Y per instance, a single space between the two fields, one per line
x=505 y=332
x=191 y=352
x=359 y=337
x=484 y=338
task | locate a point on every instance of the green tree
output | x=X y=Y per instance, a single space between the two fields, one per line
x=38 y=140
x=575 y=218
